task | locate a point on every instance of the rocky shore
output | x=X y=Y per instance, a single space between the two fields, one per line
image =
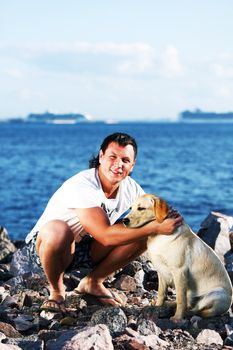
x=138 y=325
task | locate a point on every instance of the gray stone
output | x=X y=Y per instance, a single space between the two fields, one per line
x=9 y=301
x=229 y=338
x=150 y=341
x=4 y=272
x=21 y=263
x=148 y=327
x=154 y=342
x=113 y=317
x=9 y=330
x=139 y=278
x=23 y=323
x=208 y=337
x=90 y=338
x=126 y=283
x=24 y=344
x=7 y=248
x=29 y=280
x=9 y=347
x=215 y=231
x=2 y=336
x=3 y=293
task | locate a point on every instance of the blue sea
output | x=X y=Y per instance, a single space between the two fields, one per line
x=190 y=165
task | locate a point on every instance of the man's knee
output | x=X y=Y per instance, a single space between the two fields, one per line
x=55 y=233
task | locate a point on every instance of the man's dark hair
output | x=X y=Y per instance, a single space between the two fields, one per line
x=118 y=137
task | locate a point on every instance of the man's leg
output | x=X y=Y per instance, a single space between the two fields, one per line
x=55 y=246
x=108 y=261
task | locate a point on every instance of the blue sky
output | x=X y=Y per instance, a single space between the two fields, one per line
x=116 y=60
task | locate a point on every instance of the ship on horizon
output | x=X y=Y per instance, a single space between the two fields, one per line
x=199 y=116
x=55 y=118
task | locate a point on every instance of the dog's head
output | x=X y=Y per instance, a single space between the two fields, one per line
x=145 y=209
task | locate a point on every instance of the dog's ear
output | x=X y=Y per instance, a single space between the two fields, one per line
x=161 y=209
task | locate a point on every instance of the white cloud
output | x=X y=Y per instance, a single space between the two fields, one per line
x=87 y=47
x=171 y=64
x=14 y=73
x=106 y=58
x=225 y=91
x=222 y=66
x=28 y=94
x=223 y=70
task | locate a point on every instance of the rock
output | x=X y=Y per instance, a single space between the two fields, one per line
x=3 y=293
x=5 y=273
x=215 y=231
x=209 y=337
x=24 y=344
x=134 y=344
x=113 y=317
x=229 y=338
x=9 y=301
x=28 y=280
x=139 y=278
x=139 y=341
x=50 y=315
x=148 y=327
x=9 y=330
x=23 y=323
x=2 y=336
x=7 y=248
x=47 y=335
x=126 y=283
x=90 y=338
x=9 y=347
x=154 y=342
x=26 y=298
x=132 y=268
x=154 y=313
x=22 y=264
x=68 y=321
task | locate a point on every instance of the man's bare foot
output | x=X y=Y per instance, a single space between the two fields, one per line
x=90 y=286
x=59 y=296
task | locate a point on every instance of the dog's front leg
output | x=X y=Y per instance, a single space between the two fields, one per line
x=180 y=281
x=162 y=290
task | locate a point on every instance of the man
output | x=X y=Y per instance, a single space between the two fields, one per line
x=88 y=205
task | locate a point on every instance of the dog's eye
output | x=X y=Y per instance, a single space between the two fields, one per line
x=141 y=208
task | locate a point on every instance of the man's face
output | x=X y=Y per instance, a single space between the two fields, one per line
x=116 y=162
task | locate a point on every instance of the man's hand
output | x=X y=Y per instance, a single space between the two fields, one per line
x=168 y=226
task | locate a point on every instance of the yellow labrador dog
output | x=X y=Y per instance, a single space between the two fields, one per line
x=183 y=261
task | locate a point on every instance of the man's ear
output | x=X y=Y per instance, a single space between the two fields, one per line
x=100 y=155
x=133 y=166
x=161 y=209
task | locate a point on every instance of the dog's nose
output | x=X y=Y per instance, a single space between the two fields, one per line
x=126 y=221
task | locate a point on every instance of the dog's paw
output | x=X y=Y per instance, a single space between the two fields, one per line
x=177 y=318
x=181 y=323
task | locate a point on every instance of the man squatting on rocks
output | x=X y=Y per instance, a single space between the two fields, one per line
x=79 y=223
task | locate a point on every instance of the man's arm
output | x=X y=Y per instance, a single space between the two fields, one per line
x=96 y=222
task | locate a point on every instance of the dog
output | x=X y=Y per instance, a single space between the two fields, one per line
x=182 y=260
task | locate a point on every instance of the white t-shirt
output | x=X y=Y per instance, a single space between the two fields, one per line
x=84 y=190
